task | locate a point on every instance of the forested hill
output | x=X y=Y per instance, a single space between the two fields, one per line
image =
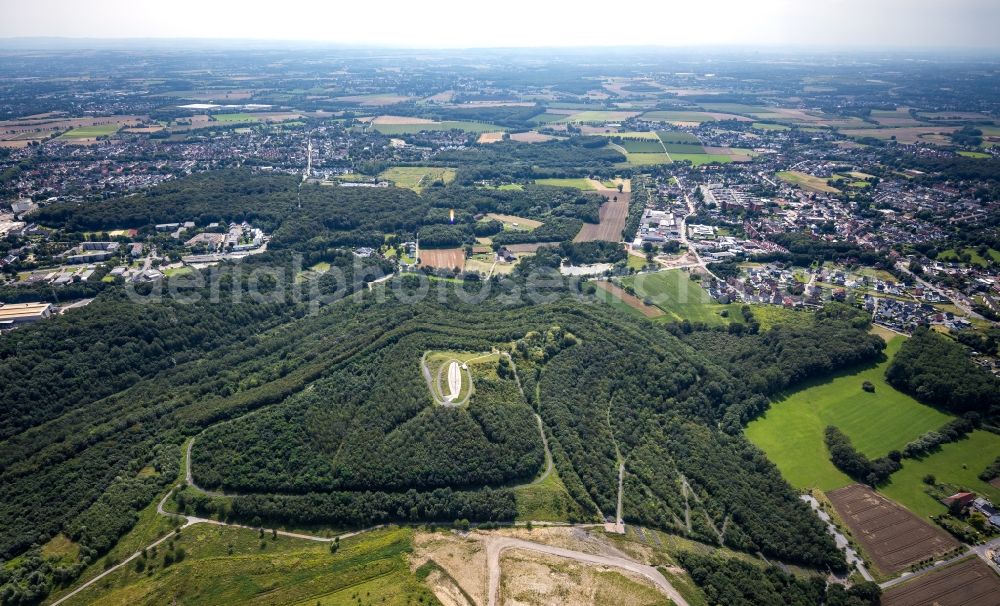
x=936 y=370
x=347 y=381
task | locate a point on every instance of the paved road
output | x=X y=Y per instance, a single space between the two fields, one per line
x=684 y=239
x=496 y=546
x=840 y=539
x=960 y=300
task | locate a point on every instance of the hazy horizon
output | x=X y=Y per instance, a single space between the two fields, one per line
x=448 y=24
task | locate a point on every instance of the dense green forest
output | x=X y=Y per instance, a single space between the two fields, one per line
x=363 y=356
x=854 y=463
x=313 y=408
x=318 y=219
x=936 y=370
x=736 y=583
x=508 y=160
x=769 y=362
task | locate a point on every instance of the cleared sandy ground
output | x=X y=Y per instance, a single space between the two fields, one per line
x=490 y=137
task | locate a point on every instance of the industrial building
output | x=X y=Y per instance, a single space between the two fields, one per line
x=13 y=314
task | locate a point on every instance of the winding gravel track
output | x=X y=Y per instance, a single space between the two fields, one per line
x=496 y=546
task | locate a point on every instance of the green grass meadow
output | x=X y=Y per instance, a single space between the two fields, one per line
x=791 y=432
x=87 y=132
x=225 y=565
x=643 y=146
x=699 y=159
x=235 y=118
x=582 y=184
x=681 y=298
x=958 y=463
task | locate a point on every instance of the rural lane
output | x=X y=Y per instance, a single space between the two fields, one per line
x=191 y=521
x=840 y=539
x=496 y=546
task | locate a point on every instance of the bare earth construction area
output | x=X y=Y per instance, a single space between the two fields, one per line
x=892 y=536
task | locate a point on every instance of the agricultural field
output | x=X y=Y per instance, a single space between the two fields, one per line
x=646 y=159
x=580 y=183
x=968 y=583
x=443 y=258
x=898 y=117
x=226 y=565
x=531 y=136
x=417 y=177
x=596 y=116
x=639 y=146
x=689 y=117
x=791 y=431
x=243 y=117
x=613 y=214
x=770 y=126
x=494 y=137
x=677 y=136
x=932 y=133
x=806 y=181
x=546 y=117
x=683 y=148
x=679 y=297
x=893 y=537
x=19 y=132
x=633 y=134
x=89 y=132
x=418 y=127
x=374 y=100
x=958 y=463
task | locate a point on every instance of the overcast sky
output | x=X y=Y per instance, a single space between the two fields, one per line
x=486 y=23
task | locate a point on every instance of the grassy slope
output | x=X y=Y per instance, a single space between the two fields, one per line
x=546 y=501
x=675 y=293
x=958 y=463
x=417 y=177
x=791 y=432
x=372 y=567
